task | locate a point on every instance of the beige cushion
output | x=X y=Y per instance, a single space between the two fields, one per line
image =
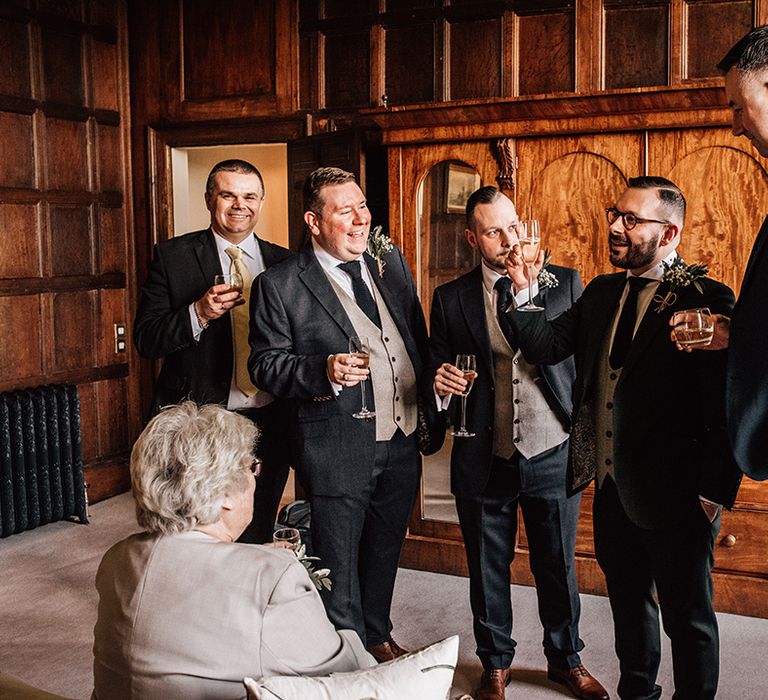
x=11 y=687
x=422 y=675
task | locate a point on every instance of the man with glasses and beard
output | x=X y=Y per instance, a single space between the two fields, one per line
x=649 y=427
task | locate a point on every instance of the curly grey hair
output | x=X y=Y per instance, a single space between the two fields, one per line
x=184 y=463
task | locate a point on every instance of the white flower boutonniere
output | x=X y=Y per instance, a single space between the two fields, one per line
x=379 y=244
x=321 y=578
x=678 y=275
x=546 y=279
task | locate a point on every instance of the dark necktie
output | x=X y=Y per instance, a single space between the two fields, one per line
x=625 y=328
x=363 y=295
x=503 y=288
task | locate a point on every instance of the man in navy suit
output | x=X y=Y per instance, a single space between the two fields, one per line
x=745 y=68
x=649 y=427
x=185 y=319
x=521 y=417
x=361 y=474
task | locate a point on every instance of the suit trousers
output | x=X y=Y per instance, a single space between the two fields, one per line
x=489 y=526
x=359 y=538
x=678 y=560
x=272 y=450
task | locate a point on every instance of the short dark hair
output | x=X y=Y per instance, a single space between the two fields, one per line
x=748 y=54
x=670 y=196
x=316 y=180
x=485 y=195
x=233 y=165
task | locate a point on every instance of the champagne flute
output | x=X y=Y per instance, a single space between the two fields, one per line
x=287 y=537
x=358 y=347
x=530 y=242
x=693 y=327
x=465 y=363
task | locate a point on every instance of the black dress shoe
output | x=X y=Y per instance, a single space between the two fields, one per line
x=579 y=681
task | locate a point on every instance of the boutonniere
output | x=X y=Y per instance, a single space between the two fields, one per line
x=379 y=244
x=676 y=276
x=320 y=577
x=546 y=279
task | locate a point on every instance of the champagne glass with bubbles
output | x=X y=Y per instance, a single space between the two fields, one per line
x=530 y=243
x=467 y=365
x=358 y=347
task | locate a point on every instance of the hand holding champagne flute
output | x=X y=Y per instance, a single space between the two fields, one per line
x=359 y=349
x=466 y=364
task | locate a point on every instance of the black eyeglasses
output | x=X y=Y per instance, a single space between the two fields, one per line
x=629 y=219
x=256 y=466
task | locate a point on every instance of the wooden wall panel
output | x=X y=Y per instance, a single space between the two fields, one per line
x=16 y=152
x=20 y=227
x=216 y=62
x=341 y=9
x=103 y=12
x=111 y=309
x=105 y=75
x=713 y=27
x=20 y=337
x=476 y=59
x=410 y=64
x=110 y=163
x=71 y=243
x=112 y=397
x=66 y=155
x=62 y=67
x=111 y=237
x=89 y=421
x=72 y=315
x=69 y=9
x=546 y=53
x=347 y=69
x=14 y=57
x=636 y=44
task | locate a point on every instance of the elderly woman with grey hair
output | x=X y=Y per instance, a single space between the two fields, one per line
x=184 y=610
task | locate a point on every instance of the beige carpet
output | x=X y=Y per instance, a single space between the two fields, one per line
x=48 y=603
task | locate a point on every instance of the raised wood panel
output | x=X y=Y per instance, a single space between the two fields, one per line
x=636 y=43
x=713 y=27
x=475 y=59
x=110 y=176
x=71 y=322
x=104 y=77
x=71 y=244
x=552 y=186
x=20 y=337
x=347 y=71
x=410 y=63
x=66 y=155
x=226 y=58
x=723 y=185
x=16 y=152
x=20 y=227
x=112 y=309
x=62 y=67
x=547 y=53
x=112 y=243
x=112 y=400
x=15 y=77
x=89 y=421
x=341 y=9
x=70 y=9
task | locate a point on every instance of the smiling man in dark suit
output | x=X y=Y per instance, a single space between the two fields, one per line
x=361 y=474
x=649 y=426
x=521 y=416
x=187 y=320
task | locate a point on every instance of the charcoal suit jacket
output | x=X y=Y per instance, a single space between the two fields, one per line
x=669 y=436
x=182 y=270
x=747 y=386
x=297 y=321
x=458 y=324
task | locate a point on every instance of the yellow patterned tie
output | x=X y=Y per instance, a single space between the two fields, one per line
x=240 y=316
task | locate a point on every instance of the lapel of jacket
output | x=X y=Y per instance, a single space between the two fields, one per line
x=472 y=305
x=606 y=303
x=313 y=277
x=267 y=255
x=207 y=257
x=758 y=248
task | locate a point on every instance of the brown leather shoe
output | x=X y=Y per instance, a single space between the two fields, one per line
x=580 y=682
x=492 y=684
x=386 y=651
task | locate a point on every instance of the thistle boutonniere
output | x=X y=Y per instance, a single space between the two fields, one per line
x=379 y=244
x=546 y=279
x=320 y=577
x=678 y=275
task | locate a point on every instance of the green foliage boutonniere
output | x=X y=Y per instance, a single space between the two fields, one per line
x=678 y=275
x=320 y=577
x=379 y=244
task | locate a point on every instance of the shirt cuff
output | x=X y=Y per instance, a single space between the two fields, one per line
x=712 y=503
x=442 y=401
x=521 y=297
x=334 y=386
x=197 y=329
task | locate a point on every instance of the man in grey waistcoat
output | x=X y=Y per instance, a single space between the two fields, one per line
x=361 y=474
x=521 y=416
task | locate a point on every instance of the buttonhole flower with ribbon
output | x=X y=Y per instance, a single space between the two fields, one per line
x=678 y=275
x=379 y=244
x=320 y=577
x=546 y=279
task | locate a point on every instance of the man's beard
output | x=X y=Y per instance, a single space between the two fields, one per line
x=636 y=255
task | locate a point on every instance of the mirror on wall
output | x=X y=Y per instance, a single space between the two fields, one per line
x=443 y=255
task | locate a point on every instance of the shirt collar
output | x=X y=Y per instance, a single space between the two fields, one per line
x=248 y=245
x=490 y=277
x=326 y=260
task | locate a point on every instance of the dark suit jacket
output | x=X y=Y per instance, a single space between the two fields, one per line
x=670 y=442
x=747 y=387
x=297 y=321
x=182 y=270
x=458 y=325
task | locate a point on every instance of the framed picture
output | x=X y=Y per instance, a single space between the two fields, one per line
x=460 y=182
